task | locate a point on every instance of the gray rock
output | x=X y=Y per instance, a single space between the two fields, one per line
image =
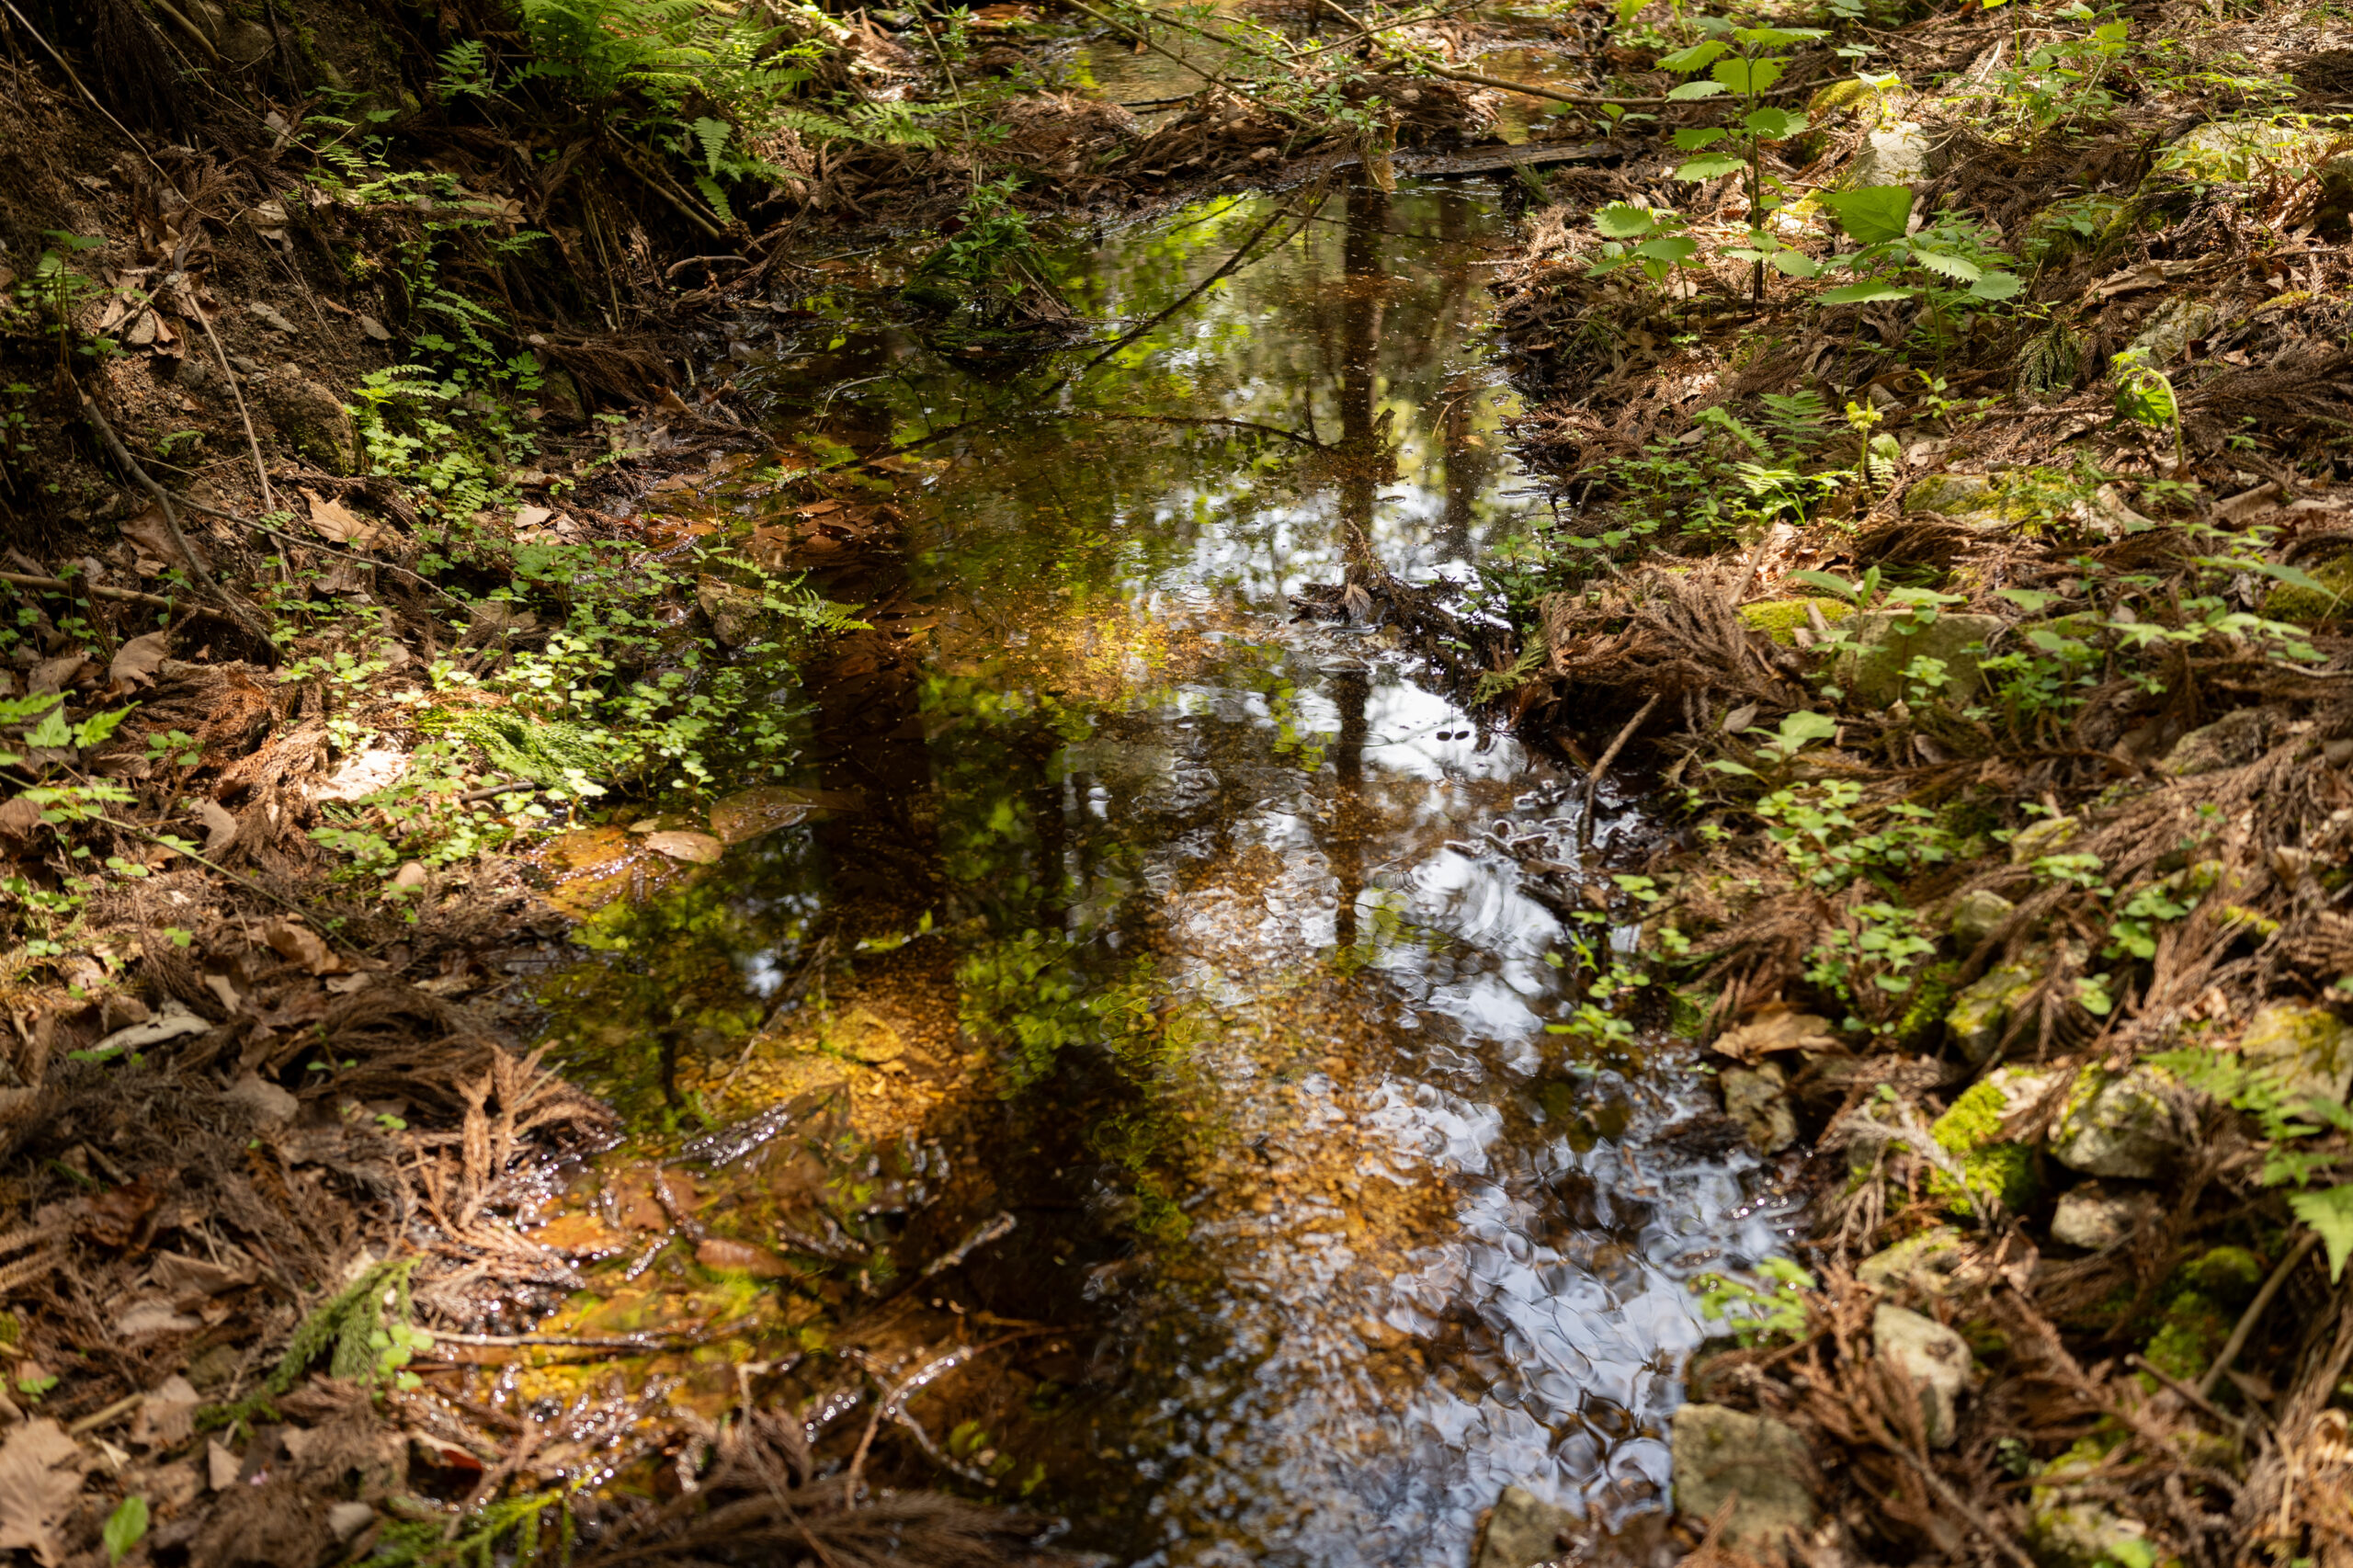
x=2085 y=1535
x=1921 y=1267
x=2174 y=325
x=313 y=421
x=1931 y=1359
x=1898 y=154
x=1873 y=673
x=1759 y=1099
x=2303 y=1049
x=347 y=1520
x=1978 y=915
x=1980 y=1014
x=1954 y=494
x=1524 y=1530
x=246 y=42
x=2095 y=1219
x=1719 y=1451
x=269 y=317
x=2120 y=1125
x=2234 y=740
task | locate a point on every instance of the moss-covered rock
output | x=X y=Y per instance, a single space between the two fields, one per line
x=2305 y=1049
x=2234 y=740
x=311 y=420
x=2230 y=1275
x=2121 y=1124
x=1997 y=1169
x=1980 y=1014
x=1879 y=671
x=2190 y=1330
x=2309 y=607
x=2048 y=837
x=1780 y=619
x=1919 y=1266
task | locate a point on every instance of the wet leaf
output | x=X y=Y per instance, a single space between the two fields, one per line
x=1759 y=1037
x=699 y=848
x=740 y=1258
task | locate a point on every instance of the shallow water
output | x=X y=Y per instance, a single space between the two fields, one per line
x=1389 y=1242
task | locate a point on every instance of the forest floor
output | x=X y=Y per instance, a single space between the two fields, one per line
x=1952 y=568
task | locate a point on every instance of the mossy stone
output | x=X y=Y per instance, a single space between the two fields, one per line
x=313 y=421
x=2308 y=606
x=2231 y=1275
x=1980 y=1014
x=2302 y=1049
x=1780 y=619
x=1995 y=1169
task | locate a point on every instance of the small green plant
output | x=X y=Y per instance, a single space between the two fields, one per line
x=1645 y=238
x=125 y=1528
x=1757 y=1314
x=364 y=1332
x=1739 y=62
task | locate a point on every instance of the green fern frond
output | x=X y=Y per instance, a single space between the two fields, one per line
x=712 y=134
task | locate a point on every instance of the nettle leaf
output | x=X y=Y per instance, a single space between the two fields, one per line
x=1778 y=37
x=1696 y=90
x=2329 y=1213
x=1996 y=285
x=1710 y=165
x=1794 y=264
x=1747 y=77
x=1874 y=214
x=1691 y=141
x=1864 y=294
x=1773 y=124
x=1623 y=221
x=1673 y=248
x=1683 y=61
x=1949 y=265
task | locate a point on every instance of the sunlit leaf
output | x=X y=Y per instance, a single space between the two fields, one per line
x=1622 y=220
x=1865 y=293
x=1951 y=267
x=1697 y=90
x=1709 y=165
x=1996 y=285
x=1873 y=214
x=1747 y=77
x=1697 y=137
x=1683 y=61
x=1794 y=264
x=1773 y=124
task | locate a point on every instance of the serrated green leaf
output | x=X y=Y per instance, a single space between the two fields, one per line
x=1778 y=37
x=1864 y=294
x=1709 y=165
x=1957 y=267
x=1996 y=285
x=1696 y=90
x=1747 y=77
x=52 y=731
x=1670 y=247
x=1794 y=264
x=1773 y=124
x=1622 y=220
x=2330 y=1214
x=1683 y=61
x=1692 y=140
x=1873 y=214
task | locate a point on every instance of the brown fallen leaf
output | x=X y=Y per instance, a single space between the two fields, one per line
x=701 y=849
x=134 y=663
x=220 y=828
x=337 y=523
x=168 y=1416
x=303 y=946
x=18 y=817
x=184 y=1276
x=112 y=1218
x=149 y=531
x=1760 y=1037
x=742 y=817
x=40 y=1477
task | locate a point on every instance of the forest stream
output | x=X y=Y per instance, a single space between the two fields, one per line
x=1354 y=1233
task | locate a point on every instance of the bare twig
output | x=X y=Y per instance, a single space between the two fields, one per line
x=171 y=519
x=125 y=596
x=1592 y=778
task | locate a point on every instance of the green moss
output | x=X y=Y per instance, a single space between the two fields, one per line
x=2230 y=1275
x=1990 y=1167
x=2190 y=1331
x=1780 y=619
x=1932 y=994
x=2308 y=606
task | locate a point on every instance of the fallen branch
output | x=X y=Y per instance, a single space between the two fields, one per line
x=125 y=596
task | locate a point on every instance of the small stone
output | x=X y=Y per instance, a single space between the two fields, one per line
x=1994 y=1168
x=265 y=1099
x=2048 y=837
x=246 y=42
x=1922 y=1266
x=2301 y=1049
x=1977 y=916
x=695 y=848
x=1980 y=1014
x=2122 y=1125
x=2234 y=740
x=374 y=329
x=268 y=315
x=2086 y=1535
x=1931 y=1359
x=1757 y=1099
x=1718 y=1452
x=2095 y=1219
x=733 y=612
x=1898 y=154
x=313 y=421
x=347 y=1520
x=1524 y=1530
x=1878 y=673
x=861 y=1035
x=410 y=877
x=1954 y=494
